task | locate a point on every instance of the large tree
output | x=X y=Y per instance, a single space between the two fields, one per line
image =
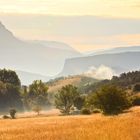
x=110 y=99
x=9 y=76
x=37 y=94
x=65 y=98
x=9 y=90
x=9 y=97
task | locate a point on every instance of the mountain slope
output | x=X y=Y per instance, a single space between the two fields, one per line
x=32 y=57
x=80 y=81
x=54 y=44
x=27 y=78
x=120 y=62
x=117 y=50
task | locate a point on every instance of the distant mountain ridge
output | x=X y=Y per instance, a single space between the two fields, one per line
x=119 y=62
x=27 y=77
x=116 y=50
x=54 y=44
x=31 y=56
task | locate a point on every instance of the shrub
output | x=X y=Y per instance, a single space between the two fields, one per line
x=5 y=117
x=85 y=111
x=12 y=113
x=96 y=111
x=136 y=88
x=136 y=101
x=111 y=100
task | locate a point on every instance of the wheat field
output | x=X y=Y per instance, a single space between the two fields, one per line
x=93 y=127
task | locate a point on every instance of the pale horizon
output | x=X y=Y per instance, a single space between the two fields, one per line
x=84 y=25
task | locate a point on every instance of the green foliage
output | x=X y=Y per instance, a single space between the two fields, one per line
x=96 y=111
x=12 y=113
x=9 y=97
x=37 y=94
x=136 y=88
x=65 y=98
x=85 y=111
x=136 y=101
x=79 y=102
x=110 y=99
x=125 y=81
x=9 y=76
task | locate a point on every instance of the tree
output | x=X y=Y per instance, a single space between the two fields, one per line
x=9 y=97
x=9 y=76
x=79 y=102
x=65 y=98
x=110 y=99
x=37 y=94
x=37 y=109
x=12 y=113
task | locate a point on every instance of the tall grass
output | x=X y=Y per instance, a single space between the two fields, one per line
x=94 y=127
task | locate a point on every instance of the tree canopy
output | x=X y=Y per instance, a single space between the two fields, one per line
x=65 y=98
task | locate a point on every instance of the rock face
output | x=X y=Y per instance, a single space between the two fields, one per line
x=120 y=62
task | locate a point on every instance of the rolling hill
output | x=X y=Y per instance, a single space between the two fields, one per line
x=80 y=81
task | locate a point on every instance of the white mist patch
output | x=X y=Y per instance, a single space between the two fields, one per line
x=102 y=72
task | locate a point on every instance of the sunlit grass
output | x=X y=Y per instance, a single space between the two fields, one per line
x=94 y=127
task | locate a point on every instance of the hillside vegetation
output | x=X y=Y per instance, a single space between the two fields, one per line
x=125 y=80
x=80 y=81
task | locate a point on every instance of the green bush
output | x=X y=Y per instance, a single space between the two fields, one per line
x=96 y=111
x=136 y=101
x=136 y=88
x=85 y=111
x=110 y=100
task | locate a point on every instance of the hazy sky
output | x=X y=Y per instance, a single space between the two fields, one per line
x=84 y=24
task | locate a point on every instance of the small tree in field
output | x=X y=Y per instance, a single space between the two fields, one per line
x=111 y=100
x=37 y=109
x=65 y=98
x=12 y=113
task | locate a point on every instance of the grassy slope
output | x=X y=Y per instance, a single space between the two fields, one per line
x=94 y=127
x=80 y=81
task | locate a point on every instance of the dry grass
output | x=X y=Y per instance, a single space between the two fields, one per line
x=58 y=85
x=94 y=127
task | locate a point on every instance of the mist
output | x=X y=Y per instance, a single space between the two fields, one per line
x=101 y=72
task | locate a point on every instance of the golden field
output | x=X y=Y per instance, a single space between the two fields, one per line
x=94 y=127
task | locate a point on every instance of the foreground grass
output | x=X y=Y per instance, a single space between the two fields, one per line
x=94 y=127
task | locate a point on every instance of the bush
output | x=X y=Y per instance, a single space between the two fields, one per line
x=12 y=113
x=136 y=88
x=5 y=117
x=111 y=100
x=85 y=111
x=136 y=101
x=96 y=111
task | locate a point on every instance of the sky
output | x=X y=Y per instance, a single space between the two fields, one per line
x=86 y=25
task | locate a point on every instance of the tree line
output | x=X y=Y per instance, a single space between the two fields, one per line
x=109 y=98
x=14 y=95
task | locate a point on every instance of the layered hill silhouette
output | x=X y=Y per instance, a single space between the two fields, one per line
x=44 y=58
x=119 y=62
